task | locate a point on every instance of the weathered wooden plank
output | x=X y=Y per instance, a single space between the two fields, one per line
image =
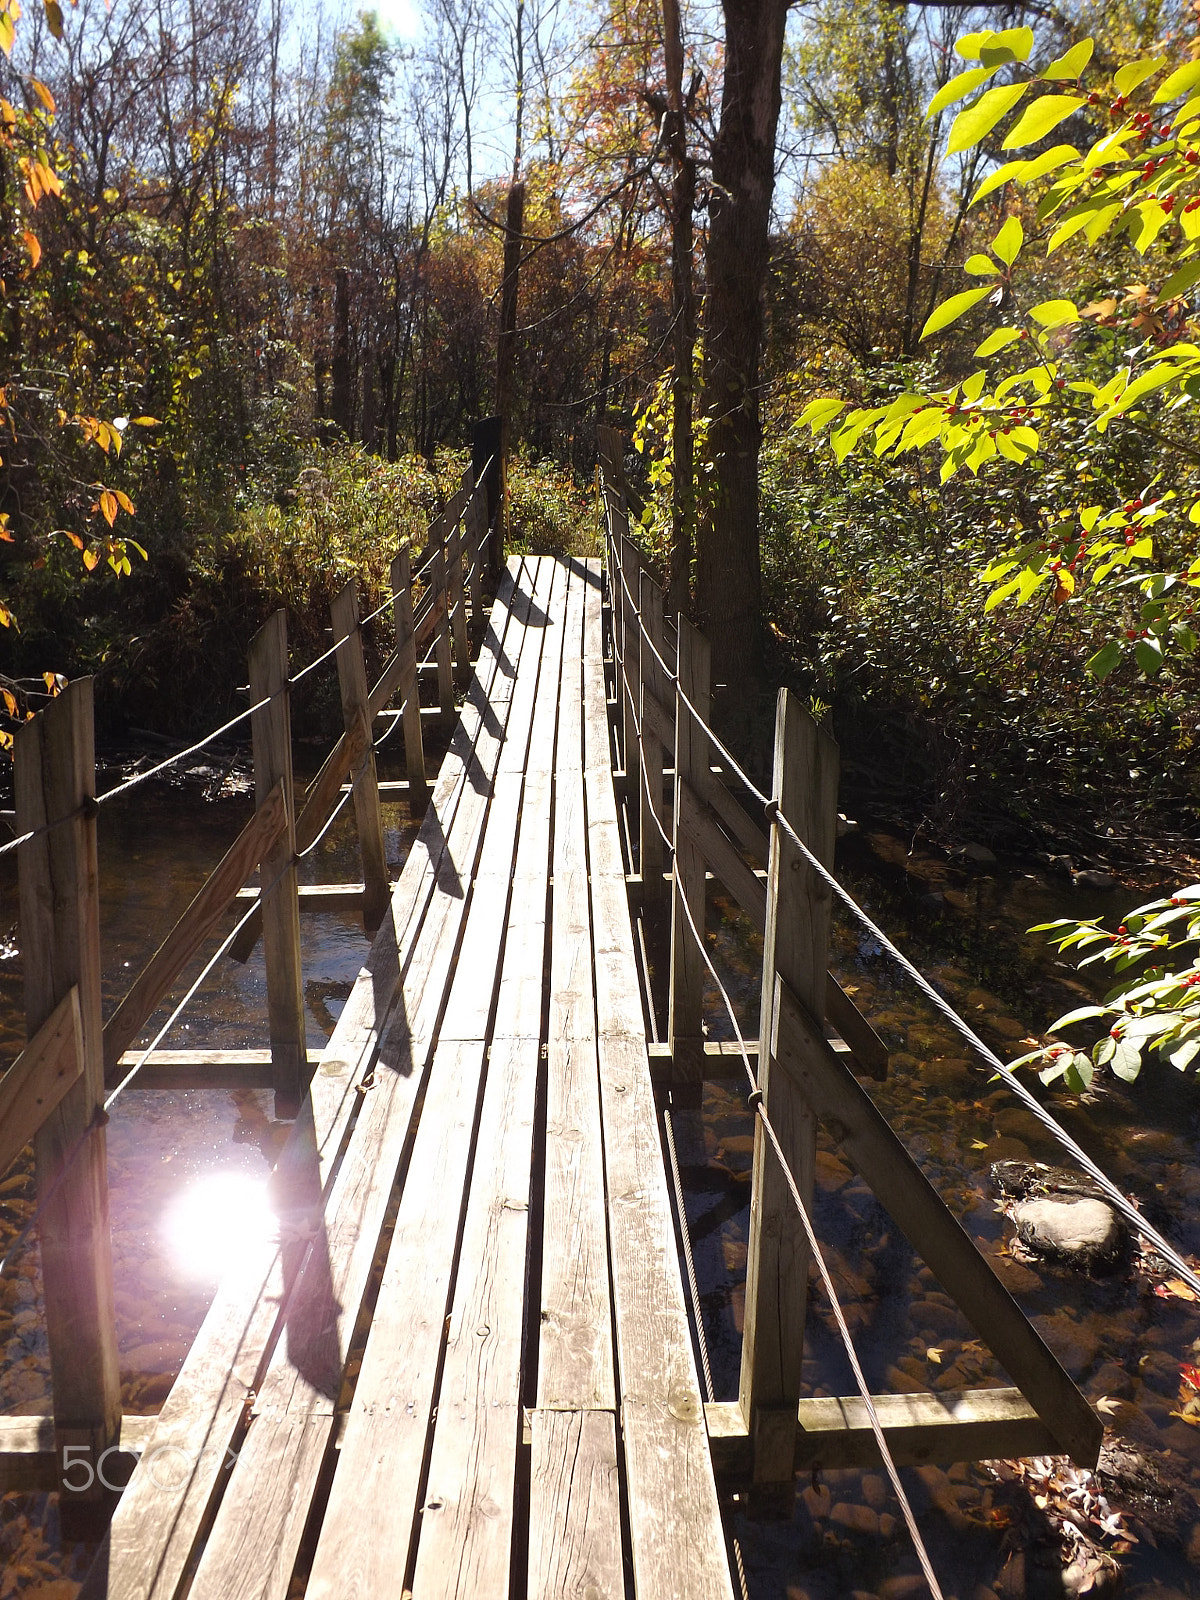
x=915 y=1206
x=971 y=1425
x=869 y=1050
x=38 y=1079
x=678 y=1543
x=157 y=1525
x=743 y=884
x=305 y=1373
x=575 y=1367
x=796 y=945
x=652 y=815
x=736 y=821
x=55 y=782
x=220 y=889
x=204 y=1069
x=467 y=1517
x=318 y=896
x=440 y=583
x=352 y=686
x=456 y=599
x=574 y=1508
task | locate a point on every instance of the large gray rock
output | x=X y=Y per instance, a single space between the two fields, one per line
x=1080 y=1231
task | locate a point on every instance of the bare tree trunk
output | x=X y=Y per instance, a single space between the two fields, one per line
x=728 y=570
x=369 y=397
x=342 y=405
x=506 y=344
x=683 y=195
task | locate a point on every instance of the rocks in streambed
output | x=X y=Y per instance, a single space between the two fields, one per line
x=1072 y=1228
x=1061 y=1216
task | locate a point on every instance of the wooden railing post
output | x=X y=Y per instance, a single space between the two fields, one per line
x=629 y=688
x=406 y=650
x=685 y=1031
x=352 y=681
x=474 y=525
x=796 y=946
x=436 y=548
x=55 y=779
x=270 y=728
x=650 y=786
x=456 y=601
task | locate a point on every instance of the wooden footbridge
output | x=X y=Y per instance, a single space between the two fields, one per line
x=466 y=1366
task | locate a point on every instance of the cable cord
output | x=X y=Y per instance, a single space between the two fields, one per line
x=756 y=1102
x=964 y=1030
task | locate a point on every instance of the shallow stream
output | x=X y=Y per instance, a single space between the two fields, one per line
x=188 y=1185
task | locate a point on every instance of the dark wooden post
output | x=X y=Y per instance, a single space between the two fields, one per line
x=271 y=734
x=55 y=778
x=441 y=638
x=628 y=687
x=685 y=1016
x=796 y=946
x=486 y=444
x=650 y=785
x=352 y=681
x=406 y=649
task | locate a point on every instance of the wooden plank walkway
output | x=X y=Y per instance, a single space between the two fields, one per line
x=465 y=1368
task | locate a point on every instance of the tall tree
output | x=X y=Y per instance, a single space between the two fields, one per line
x=728 y=571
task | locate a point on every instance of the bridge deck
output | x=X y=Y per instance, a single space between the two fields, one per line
x=466 y=1369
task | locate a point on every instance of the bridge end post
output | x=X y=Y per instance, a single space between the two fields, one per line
x=685 y=1020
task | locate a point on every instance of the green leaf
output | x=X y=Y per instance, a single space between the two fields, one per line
x=997 y=341
x=1102 y=663
x=1018 y=40
x=1049 y=161
x=980 y=266
x=1181 y=280
x=1054 y=313
x=1071 y=64
x=978 y=120
x=1037 y=120
x=1127 y=78
x=958 y=88
x=1180 y=1052
x=819 y=412
x=1007 y=243
x=997 y=180
x=1181 y=81
x=1080 y=1014
x=950 y=310
x=1149 y=655
x=1127 y=1060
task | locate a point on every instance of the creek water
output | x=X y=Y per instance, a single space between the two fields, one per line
x=188 y=1178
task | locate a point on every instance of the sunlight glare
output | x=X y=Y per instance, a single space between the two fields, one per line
x=216 y=1222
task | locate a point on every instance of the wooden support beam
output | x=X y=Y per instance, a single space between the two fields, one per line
x=870 y=1052
x=31 y=1464
x=908 y=1197
x=628 y=581
x=221 y=888
x=651 y=812
x=352 y=684
x=457 y=602
x=40 y=1076
x=204 y=1069
x=795 y=946
x=55 y=783
x=749 y=890
x=319 y=896
x=685 y=1011
x=921 y=1429
x=475 y=526
x=270 y=728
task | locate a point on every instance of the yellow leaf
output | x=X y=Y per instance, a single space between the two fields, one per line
x=147 y=422
x=54 y=681
x=91 y=559
x=978 y=1144
x=32 y=245
x=108 y=506
x=43 y=94
x=54 y=17
x=934 y=1354
x=123 y=500
x=10 y=701
x=6 y=616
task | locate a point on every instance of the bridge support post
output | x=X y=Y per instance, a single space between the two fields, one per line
x=650 y=782
x=55 y=781
x=685 y=1031
x=271 y=733
x=796 y=947
x=629 y=687
x=352 y=682
x=406 y=650
x=474 y=526
x=436 y=548
x=456 y=603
